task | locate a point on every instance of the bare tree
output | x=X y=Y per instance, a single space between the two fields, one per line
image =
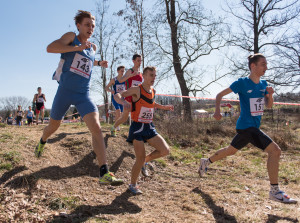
x=262 y=27
x=107 y=36
x=183 y=34
x=11 y=103
x=137 y=21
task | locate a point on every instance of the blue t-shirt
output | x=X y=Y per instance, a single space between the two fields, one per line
x=75 y=69
x=251 y=101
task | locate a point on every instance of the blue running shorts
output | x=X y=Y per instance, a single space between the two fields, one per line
x=141 y=131
x=65 y=98
x=116 y=105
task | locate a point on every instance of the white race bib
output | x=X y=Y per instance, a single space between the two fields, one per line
x=120 y=88
x=81 y=65
x=257 y=106
x=40 y=100
x=146 y=115
x=135 y=83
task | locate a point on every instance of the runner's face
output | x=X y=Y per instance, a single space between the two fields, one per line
x=260 y=67
x=149 y=77
x=137 y=62
x=86 y=27
x=121 y=71
x=39 y=91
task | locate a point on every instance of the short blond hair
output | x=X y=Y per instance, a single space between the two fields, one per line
x=149 y=68
x=80 y=15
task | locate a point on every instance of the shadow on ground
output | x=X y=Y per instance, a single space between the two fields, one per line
x=220 y=215
x=82 y=213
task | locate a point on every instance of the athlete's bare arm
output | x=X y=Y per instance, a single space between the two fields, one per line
x=164 y=107
x=133 y=91
x=127 y=75
x=269 y=97
x=219 y=97
x=62 y=45
x=107 y=87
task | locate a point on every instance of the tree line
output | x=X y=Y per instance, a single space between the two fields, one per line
x=178 y=35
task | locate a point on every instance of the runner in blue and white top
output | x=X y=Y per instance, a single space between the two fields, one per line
x=117 y=87
x=74 y=75
x=254 y=95
x=29 y=115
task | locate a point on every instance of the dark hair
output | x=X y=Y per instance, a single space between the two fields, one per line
x=39 y=88
x=254 y=58
x=135 y=56
x=120 y=67
x=80 y=15
x=149 y=68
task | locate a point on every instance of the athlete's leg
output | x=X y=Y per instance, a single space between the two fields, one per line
x=123 y=118
x=118 y=114
x=42 y=114
x=139 y=149
x=37 y=116
x=50 y=129
x=161 y=148
x=274 y=153
x=92 y=122
x=222 y=153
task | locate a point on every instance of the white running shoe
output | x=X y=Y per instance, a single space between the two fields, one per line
x=282 y=197
x=203 y=167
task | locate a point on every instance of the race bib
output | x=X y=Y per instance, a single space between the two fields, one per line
x=81 y=65
x=120 y=88
x=146 y=115
x=40 y=99
x=135 y=83
x=30 y=115
x=257 y=106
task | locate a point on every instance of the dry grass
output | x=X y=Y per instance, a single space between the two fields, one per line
x=62 y=186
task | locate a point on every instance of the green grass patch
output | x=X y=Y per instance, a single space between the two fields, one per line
x=12 y=156
x=2 y=125
x=64 y=203
x=161 y=162
x=5 y=166
x=5 y=136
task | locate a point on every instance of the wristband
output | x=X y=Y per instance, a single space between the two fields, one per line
x=99 y=63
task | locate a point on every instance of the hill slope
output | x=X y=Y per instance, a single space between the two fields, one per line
x=62 y=186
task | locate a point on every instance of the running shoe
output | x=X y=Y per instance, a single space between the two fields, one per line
x=109 y=178
x=39 y=149
x=134 y=189
x=203 y=167
x=145 y=168
x=282 y=197
x=113 y=131
x=118 y=128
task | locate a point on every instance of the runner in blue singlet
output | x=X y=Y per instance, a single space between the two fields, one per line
x=74 y=74
x=117 y=87
x=29 y=115
x=254 y=95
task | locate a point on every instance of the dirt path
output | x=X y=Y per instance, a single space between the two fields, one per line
x=62 y=186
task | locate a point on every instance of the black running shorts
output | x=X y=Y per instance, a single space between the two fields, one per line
x=253 y=135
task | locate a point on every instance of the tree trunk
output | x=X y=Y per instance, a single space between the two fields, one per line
x=255 y=28
x=171 y=15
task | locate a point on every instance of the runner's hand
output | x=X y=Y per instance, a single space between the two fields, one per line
x=85 y=45
x=104 y=64
x=270 y=90
x=169 y=107
x=217 y=115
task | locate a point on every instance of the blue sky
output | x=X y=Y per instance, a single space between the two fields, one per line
x=27 y=28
